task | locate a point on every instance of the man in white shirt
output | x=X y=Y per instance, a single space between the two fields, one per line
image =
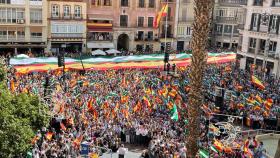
x=122 y=151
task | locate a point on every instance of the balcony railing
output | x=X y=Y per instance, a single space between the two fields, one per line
x=167 y=1
x=186 y=20
x=67 y=35
x=36 y=38
x=100 y=38
x=226 y=19
x=167 y=36
x=251 y=50
x=168 y=18
x=12 y=38
x=33 y=21
x=232 y=2
x=67 y=17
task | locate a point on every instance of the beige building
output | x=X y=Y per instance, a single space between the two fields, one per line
x=228 y=18
x=23 y=26
x=67 y=25
x=183 y=24
x=123 y=25
x=260 y=40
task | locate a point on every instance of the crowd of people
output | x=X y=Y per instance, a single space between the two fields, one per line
x=104 y=109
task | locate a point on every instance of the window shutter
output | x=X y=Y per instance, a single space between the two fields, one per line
x=277 y=24
x=259 y=22
x=252 y=21
x=270 y=22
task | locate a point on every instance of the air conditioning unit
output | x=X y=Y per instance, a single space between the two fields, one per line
x=20 y=21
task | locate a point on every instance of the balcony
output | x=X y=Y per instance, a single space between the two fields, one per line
x=258 y=3
x=12 y=38
x=35 y=38
x=164 y=1
x=221 y=19
x=185 y=20
x=68 y=17
x=167 y=36
x=100 y=36
x=232 y=2
x=275 y=4
x=36 y=21
x=168 y=19
x=251 y=50
x=67 y=35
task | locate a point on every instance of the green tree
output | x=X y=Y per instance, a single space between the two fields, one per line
x=20 y=117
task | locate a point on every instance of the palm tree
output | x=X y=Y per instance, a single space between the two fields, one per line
x=202 y=12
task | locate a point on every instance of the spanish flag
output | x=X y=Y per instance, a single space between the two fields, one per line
x=62 y=126
x=147 y=101
x=49 y=136
x=257 y=82
x=163 y=12
x=77 y=141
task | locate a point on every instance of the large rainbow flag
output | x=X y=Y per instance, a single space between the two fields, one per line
x=26 y=65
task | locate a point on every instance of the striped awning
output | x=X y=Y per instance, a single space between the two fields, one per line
x=100 y=27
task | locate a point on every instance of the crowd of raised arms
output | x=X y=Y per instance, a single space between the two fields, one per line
x=136 y=106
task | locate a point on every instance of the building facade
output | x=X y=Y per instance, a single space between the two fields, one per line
x=228 y=18
x=23 y=26
x=260 y=42
x=67 y=25
x=183 y=24
x=133 y=25
x=123 y=25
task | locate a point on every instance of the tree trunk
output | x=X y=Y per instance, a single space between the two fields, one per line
x=199 y=41
x=277 y=154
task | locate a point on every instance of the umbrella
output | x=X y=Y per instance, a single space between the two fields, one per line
x=98 y=52
x=22 y=56
x=113 y=51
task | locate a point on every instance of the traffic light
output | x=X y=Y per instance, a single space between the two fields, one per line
x=61 y=59
x=166 y=57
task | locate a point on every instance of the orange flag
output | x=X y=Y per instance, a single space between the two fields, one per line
x=147 y=101
x=49 y=136
x=62 y=126
x=77 y=141
x=34 y=140
x=12 y=85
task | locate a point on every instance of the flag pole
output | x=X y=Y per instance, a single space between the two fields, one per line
x=165 y=38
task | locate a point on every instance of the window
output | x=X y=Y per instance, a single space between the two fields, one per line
x=255 y=22
x=66 y=11
x=66 y=28
x=180 y=31
x=272 y=46
x=140 y=21
x=36 y=16
x=107 y=2
x=150 y=35
x=141 y=3
x=96 y=2
x=273 y=22
x=5 y=1
x=276 y=3
x=188 y=30
x=253 y=42
x=228 y=29
x=78 y=11
x=140 y=35
x=123 y=20
x=150 y=21
x=55 y=11
x=36 y=34
x=124 y=3
x=151 y=3
x=139 y=47
x=219 y=29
